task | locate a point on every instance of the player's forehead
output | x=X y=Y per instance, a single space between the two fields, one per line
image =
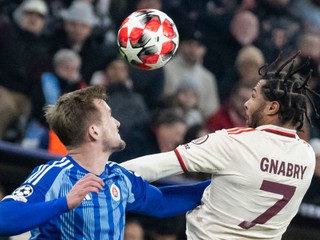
x=259 y=86
x=102 y=105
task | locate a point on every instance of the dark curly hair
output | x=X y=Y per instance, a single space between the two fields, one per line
x=288 y=88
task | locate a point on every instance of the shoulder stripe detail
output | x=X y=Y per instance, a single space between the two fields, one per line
x=111 y=163
x=44 y=172
x=183 y=166
x=286 y=134
x=40 y=170
x=63 y=162
x=35 y=174
x=239 y=130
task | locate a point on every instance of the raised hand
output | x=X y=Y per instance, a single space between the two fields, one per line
x=89 y=183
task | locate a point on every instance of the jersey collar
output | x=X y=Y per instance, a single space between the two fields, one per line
x=279 y=130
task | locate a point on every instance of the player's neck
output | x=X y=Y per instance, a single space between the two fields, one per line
x=93 y=161
x=275 y=121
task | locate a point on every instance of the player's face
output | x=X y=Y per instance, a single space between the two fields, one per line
x=109 y=126
x=255 y=106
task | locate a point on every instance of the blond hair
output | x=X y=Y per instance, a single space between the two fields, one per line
x=73 y=113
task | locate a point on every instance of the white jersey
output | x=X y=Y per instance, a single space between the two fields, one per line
x=259 y=177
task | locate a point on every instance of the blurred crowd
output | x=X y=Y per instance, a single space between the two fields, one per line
x=51 y=47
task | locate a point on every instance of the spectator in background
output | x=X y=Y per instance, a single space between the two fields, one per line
x=187 y=63
x=309 y=12
x=23 y=55
x=186 y=98
x=243 y=30
x=127 y=105
x=77 y=33
x=231 y=113
x=133 y=230
x=248 y=61
x=309 y=45
x=65 y=78
x=280 y=29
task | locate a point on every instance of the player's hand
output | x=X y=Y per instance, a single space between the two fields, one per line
x=89 y=183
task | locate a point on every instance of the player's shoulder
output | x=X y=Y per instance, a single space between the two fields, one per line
x=49 y=170
x=58 y=164
x=239 y=130
x=121 y=174
x=115 y=168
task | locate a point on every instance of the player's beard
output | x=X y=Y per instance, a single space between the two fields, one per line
x=256 y=117
x=121 y=145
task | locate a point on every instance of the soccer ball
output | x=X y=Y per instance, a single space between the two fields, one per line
x=148 y=39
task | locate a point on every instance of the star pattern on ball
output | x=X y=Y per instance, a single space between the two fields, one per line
x=157 y=36
x=132 y=53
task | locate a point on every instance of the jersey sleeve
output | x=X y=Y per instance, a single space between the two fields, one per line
x=155 y=166
x=27 y=207
x=164 y=201
x=208 y=154
x=17 y=216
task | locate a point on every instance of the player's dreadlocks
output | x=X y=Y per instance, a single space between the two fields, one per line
x=290 y=89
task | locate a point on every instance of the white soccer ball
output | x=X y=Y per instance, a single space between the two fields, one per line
x=148 y=39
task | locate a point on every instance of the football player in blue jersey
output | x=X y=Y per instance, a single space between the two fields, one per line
x=82 y=195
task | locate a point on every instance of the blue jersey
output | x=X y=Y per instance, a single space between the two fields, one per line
x=99 y=216
x=40 y=203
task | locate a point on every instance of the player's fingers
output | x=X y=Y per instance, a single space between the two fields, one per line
x=92 y=184
x=89 y=183
x=91 y=179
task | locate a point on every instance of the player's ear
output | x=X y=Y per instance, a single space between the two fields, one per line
x=273 y=107
x=93 y=132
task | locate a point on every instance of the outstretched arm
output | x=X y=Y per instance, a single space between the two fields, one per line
x=156 y=166
x=18 y=216
x=170 y=200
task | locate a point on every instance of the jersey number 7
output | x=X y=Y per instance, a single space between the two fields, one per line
x=286 y=191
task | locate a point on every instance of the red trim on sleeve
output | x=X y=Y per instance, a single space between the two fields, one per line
x=291 y=135
x=183 y=166
x=239 y=130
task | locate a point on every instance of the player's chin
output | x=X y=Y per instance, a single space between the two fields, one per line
x=121 y=146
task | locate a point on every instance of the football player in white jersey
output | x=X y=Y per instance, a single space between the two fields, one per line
x=259 y=174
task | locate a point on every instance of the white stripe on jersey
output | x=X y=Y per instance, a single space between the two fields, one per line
x=36 y=178
x=40 y=170
x=35 y=174
x=111 y=163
